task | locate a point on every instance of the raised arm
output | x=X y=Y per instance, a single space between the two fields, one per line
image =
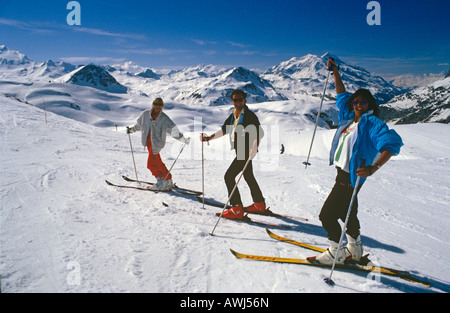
x=340 y=88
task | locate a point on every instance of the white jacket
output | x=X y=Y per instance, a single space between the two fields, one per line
x=159 y=127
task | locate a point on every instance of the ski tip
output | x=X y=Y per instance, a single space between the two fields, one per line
x=329 y=281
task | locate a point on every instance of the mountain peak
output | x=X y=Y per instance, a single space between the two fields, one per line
x=306 y=76
x=98 y=77
x=12 y=57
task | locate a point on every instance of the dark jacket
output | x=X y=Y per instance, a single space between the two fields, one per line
x=247 y=131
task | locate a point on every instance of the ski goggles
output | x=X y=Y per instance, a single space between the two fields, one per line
x=362 y=102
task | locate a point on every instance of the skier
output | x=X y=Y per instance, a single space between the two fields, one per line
x=154 y=124
x=360 y=139
x=245 y=133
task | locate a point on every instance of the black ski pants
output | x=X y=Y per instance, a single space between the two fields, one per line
x=336 y=206
x=235 y=168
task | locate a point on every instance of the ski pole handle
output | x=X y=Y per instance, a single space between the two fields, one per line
x=204 y=137
x=330 y=68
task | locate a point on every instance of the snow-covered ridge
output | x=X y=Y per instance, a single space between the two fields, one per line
x=113 y=95
x=306 y=75
x=424 y=104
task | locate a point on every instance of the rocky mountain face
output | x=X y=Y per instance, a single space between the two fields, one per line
x=97 y=77
x=421 y=105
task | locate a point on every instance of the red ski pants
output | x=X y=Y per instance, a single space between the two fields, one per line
x=155 y=164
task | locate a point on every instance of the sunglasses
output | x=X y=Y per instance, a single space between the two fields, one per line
x=362 y=102
x=237 y=100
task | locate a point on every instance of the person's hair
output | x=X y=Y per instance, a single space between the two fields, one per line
x=238 y=92
x=158 y=101
x=366 y=95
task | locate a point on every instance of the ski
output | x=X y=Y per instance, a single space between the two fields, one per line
x=267 y=212
x=356 y=267
x=146 y=189
x=248 y=220
x=364 y=261
x=150 y=183
x=294 y=242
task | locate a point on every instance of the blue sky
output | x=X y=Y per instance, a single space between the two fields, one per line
x=257 y=34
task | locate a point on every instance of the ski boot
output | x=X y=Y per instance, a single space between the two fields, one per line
x=235 y=213
x=167 y=185
x=328 y=256
x=258 y=207
x=157 y=186
x=354 y=248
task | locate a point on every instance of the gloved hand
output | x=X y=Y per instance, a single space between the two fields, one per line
x=204 y=137
x=129 y=130
x=185 y=140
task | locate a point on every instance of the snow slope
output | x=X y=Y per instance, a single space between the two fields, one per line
x=64 y=230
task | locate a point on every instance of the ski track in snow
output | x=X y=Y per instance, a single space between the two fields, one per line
x=57 y=212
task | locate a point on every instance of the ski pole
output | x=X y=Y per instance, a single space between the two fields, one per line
x=231 y=194
x=203 y=177
x=328 y=280
x=317 y=119
x=203 y=172
x=173 y=163
x=132 y=154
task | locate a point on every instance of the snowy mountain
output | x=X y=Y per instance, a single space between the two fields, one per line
x=63 y=229
x=10 y=57
x=205 y=85
x=307 y=75
x=412 y=81
x=101 y=94
x=96 y=76
x=148 y=73
x=52 y=70
x=422 y=105
x=216 y=89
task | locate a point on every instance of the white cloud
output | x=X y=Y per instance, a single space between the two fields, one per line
x=201 y=42
x=97 y=60
x=152 y=51
x=102 y=32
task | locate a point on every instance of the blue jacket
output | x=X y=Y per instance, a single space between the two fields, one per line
x=373 y=137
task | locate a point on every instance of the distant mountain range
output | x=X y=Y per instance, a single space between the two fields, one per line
x=300 y=79
x=430 y=103
x=306 y=75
